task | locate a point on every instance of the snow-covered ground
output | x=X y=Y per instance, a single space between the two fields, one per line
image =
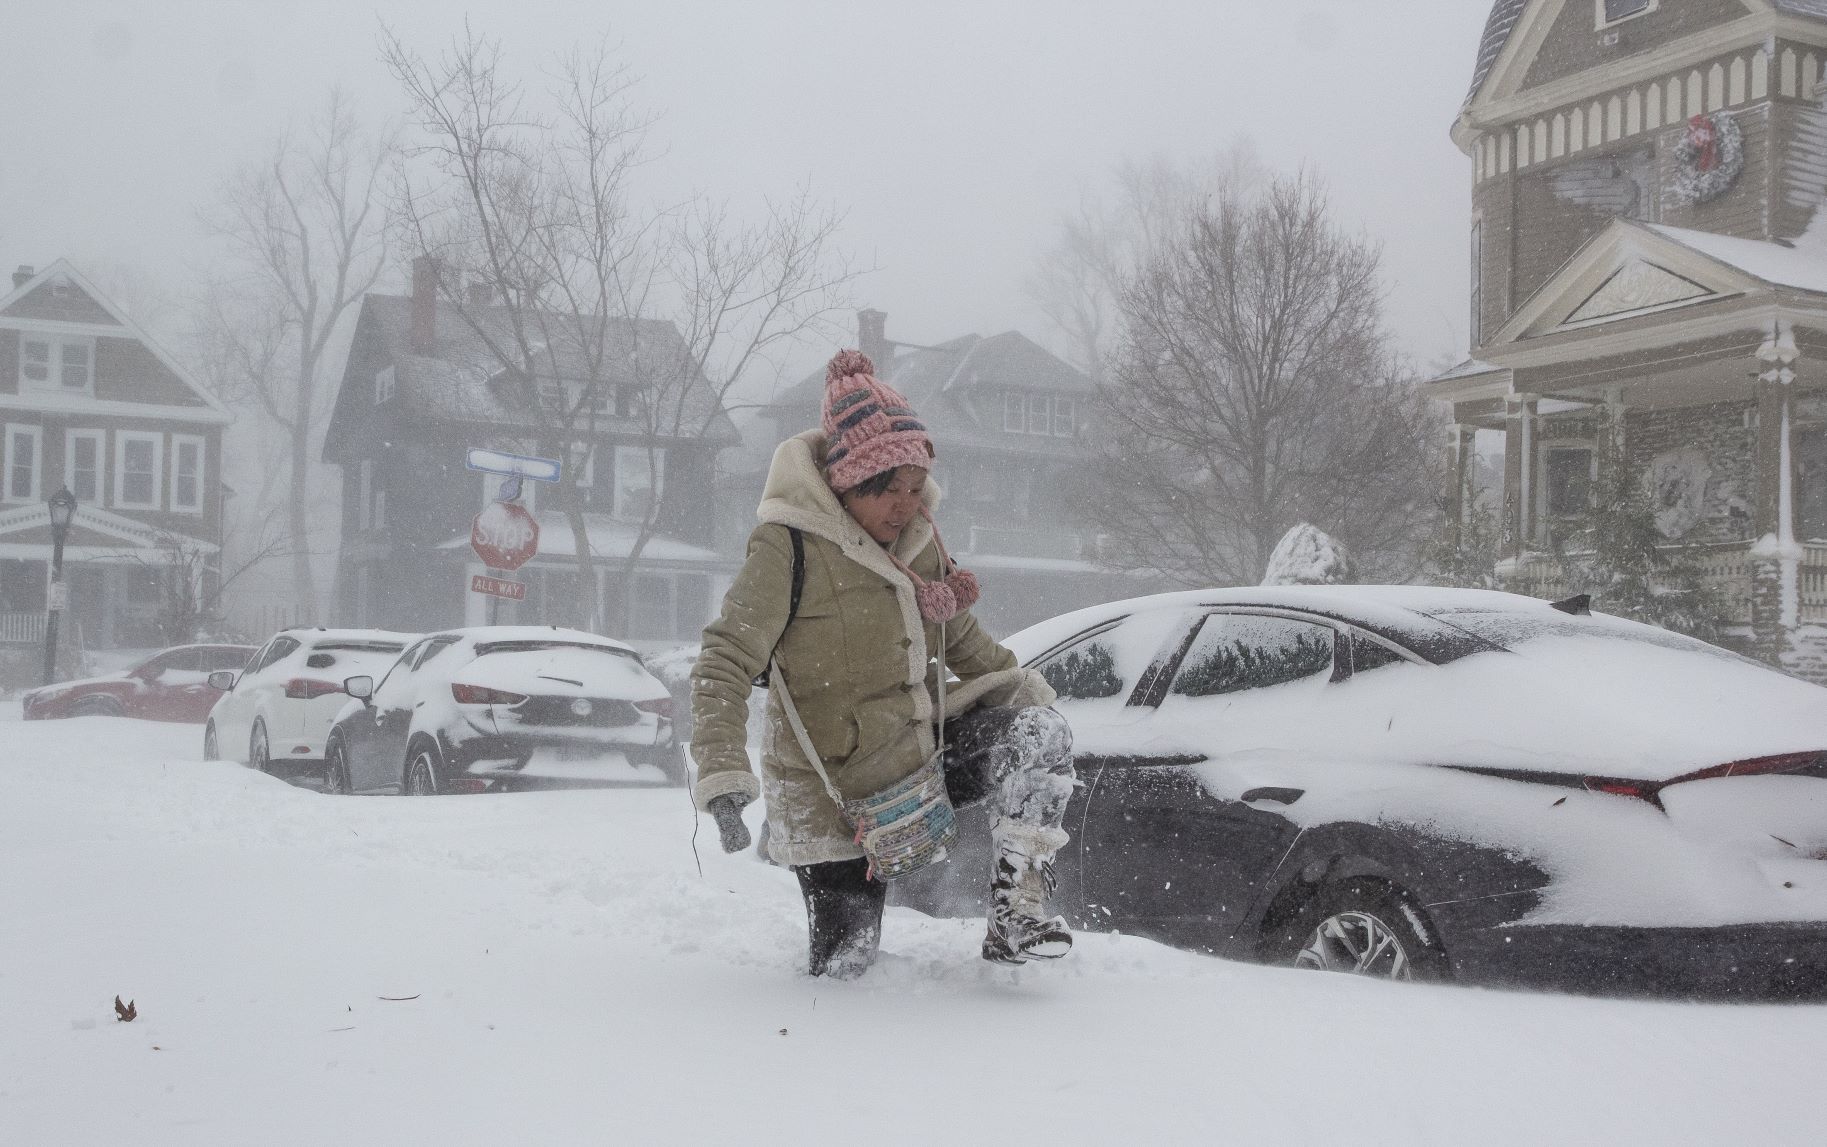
x=551 y=968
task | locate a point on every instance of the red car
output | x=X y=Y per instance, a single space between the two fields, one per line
x=171 y=685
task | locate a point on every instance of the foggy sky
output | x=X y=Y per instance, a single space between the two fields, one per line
x=955 y=134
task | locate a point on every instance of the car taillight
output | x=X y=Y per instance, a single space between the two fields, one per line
x=305 y=688
x=480 y=695
x=661 y=706
x=1651 y=791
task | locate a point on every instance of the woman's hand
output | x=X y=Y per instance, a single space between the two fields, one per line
x=728 y=811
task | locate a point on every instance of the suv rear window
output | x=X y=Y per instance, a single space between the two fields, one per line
x=1513 y=629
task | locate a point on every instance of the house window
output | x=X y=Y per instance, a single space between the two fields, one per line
x=1015 y=413
x=1065 y=418
x=136 y=469
x=1609 y=12
x=82 y=465
x=1477 y=281
x=24 y=457
x=1040 y=414
x=48 y=363
x=638 y=481
x=186 y=474
x=1567 y=474
x=383 y=385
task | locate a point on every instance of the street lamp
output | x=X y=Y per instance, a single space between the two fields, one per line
x=62 y=505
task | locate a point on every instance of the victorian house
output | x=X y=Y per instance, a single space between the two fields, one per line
x=1649 y=288
x=1010 y=422
x=424 y=383
x=95 y=406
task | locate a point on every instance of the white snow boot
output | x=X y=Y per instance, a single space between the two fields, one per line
x=1021 y=928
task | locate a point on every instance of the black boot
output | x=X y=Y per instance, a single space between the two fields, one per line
x=843 y=917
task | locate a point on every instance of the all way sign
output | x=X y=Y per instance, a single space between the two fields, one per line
x=498 y=587
x=524 y=465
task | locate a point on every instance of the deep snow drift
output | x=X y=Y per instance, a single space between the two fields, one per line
x=574 y=980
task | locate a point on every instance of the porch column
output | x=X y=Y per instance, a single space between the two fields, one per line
x=1518 y=479
x=1612 y=444
x=1461 y=440
x=1776 y=556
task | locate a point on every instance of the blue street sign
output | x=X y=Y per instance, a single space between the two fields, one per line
x=520 y=465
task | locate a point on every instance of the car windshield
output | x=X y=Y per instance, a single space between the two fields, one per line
x=535 y=646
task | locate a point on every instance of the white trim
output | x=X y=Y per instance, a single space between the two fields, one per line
x=385 y=383
x=1600 y=23
x=364 y=491
x=178 y=442
x=56 y=345
x=100 y=438
x=36 y=433
x=141 y=535
x=44 y=402
x=121 y=438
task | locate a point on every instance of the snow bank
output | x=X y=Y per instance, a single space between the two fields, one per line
x=551 y=968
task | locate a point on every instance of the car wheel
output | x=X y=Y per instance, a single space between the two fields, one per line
x=259 y=756
x=1366 y=928
x=336 y=770
x=98 y=707
x=422 y=773
x=211 y=752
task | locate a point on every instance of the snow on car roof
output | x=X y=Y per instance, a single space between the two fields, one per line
x=314 y=637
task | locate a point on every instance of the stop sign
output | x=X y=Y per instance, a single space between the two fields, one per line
x=504 y=536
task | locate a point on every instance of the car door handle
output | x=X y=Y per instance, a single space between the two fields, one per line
x=1271 y=793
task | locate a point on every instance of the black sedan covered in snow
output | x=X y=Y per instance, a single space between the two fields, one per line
x=1423 y=783
x=493 y=708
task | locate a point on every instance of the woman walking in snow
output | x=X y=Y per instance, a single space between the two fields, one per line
x=848 y=592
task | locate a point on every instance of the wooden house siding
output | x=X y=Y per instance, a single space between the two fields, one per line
x=127 y=371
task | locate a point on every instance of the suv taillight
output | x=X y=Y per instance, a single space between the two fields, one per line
x=1651 y=791
x=661 y=706
x=305 y=688
x=480 y=695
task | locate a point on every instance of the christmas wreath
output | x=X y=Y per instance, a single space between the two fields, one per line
x=1708 y=158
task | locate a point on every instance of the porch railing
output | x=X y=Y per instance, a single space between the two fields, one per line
x=22 y=628
x=1727 y=569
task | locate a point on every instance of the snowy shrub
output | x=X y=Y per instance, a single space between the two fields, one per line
x=1307 y=555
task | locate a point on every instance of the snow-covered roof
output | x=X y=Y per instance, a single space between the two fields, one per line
x=1802 y=266
x=488 y=633
x=1470 y=368
x=316 y=636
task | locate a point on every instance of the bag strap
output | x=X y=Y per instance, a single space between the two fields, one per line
x=799 y=588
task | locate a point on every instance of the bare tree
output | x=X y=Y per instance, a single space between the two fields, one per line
x=602 y=318
x=1253 y=387
x=306 y=231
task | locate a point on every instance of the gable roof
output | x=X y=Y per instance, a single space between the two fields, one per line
x=1631 y=270
x=464 y=381
x=32 y=301
x=940 y=382
x=1505 y=14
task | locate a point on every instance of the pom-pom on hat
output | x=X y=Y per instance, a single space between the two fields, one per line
x=868 y=426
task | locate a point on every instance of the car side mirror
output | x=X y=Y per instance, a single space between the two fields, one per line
x=222 y=680
x=361 y=688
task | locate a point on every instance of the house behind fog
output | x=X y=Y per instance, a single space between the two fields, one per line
x=1010 y=423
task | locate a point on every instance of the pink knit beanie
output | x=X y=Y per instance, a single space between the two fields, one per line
x=868 y=426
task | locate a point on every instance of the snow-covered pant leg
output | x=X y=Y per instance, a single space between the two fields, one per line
x=1021 y=756
x=843 y=917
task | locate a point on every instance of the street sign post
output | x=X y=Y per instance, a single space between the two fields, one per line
x=504 y=535
x=498 y=587
x=523 y=465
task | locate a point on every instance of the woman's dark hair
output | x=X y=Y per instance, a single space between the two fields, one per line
x=874 y=484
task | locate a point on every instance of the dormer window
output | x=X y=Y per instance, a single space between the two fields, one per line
x=1028 y=412
x=49 y=362
x=1609 y=12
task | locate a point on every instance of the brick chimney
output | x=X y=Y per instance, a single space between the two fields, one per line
x=23 y=275
x=424 y=305
x=872 y=339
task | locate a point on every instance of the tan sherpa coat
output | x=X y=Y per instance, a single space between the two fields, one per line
x=857 y=659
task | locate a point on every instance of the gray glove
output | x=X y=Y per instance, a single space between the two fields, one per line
x=728 y=811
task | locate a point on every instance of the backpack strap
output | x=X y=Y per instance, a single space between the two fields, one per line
x=799 y=588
